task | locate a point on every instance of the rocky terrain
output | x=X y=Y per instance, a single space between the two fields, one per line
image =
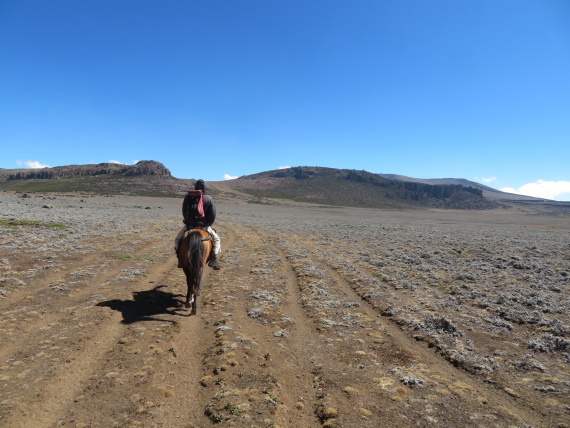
x=320 y=317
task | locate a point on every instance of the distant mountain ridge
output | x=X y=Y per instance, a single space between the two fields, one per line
x=73 y=171
x=488 y=191
x=359 y=189
x=318 y=185
x=145 y=178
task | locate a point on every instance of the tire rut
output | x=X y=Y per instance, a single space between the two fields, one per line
x=440 y=372
x=86 y=262
x=63 y=348
x=157 y=357
x=186 y=408
x=47 y=306
x=257 y=369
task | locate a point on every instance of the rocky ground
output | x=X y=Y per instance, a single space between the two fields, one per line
x=328 y=317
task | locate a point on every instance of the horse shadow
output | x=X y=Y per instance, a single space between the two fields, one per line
x=147 y=305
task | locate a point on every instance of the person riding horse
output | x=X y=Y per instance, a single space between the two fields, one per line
x=205 y=222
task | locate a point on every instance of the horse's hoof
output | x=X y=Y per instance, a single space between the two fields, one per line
x=187 y=305
x=194 y=312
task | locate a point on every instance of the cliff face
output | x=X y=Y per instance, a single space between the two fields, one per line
x=72 y=171
x=358 y=189
x=148 y=168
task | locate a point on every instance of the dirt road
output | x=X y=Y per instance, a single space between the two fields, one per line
x=303 y=326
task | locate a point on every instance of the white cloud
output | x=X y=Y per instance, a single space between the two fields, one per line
x=32 y=164
x=486 y=180
x=229 y=177
x=284 y=167
x=543 y=189
x=122 y=163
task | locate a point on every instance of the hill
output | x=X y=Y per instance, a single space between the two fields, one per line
x=488 y=192
x=358 y=189
x=319 y=185
x=74 y=171
x=145 y=178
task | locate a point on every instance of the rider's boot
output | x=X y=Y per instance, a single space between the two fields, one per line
x=213 y=263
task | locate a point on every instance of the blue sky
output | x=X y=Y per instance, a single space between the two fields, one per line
x=215 y=89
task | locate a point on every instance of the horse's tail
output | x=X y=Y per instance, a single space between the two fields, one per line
x=195 y=257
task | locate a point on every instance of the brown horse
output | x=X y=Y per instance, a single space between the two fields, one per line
x=194 y=250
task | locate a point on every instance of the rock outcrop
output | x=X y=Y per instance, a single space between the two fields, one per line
x=72 y=171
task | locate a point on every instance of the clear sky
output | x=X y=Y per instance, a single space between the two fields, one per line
x=216 y=89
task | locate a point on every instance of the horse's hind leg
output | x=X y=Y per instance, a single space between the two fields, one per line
x=195 y=293
x=189 y=293
x=190 y=300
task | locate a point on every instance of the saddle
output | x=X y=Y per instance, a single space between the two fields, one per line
x=195 y=228
x=207 y=238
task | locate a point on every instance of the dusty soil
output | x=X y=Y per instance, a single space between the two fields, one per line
x=319 y=317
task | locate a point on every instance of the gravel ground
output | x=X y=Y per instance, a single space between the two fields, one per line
x=319 y=317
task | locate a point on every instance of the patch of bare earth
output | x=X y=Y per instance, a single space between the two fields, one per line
x=318 y=317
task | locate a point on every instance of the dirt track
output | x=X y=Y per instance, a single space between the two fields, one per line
x=319 y=317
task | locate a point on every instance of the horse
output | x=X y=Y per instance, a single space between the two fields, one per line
x=193 y=253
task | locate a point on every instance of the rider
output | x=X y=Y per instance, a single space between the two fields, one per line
x=205 y=223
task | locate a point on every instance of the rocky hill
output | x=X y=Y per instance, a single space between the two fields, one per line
x=145 y=178
x=488 y=192
x=358 y=189
x=319 y=185
x=73 y=171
